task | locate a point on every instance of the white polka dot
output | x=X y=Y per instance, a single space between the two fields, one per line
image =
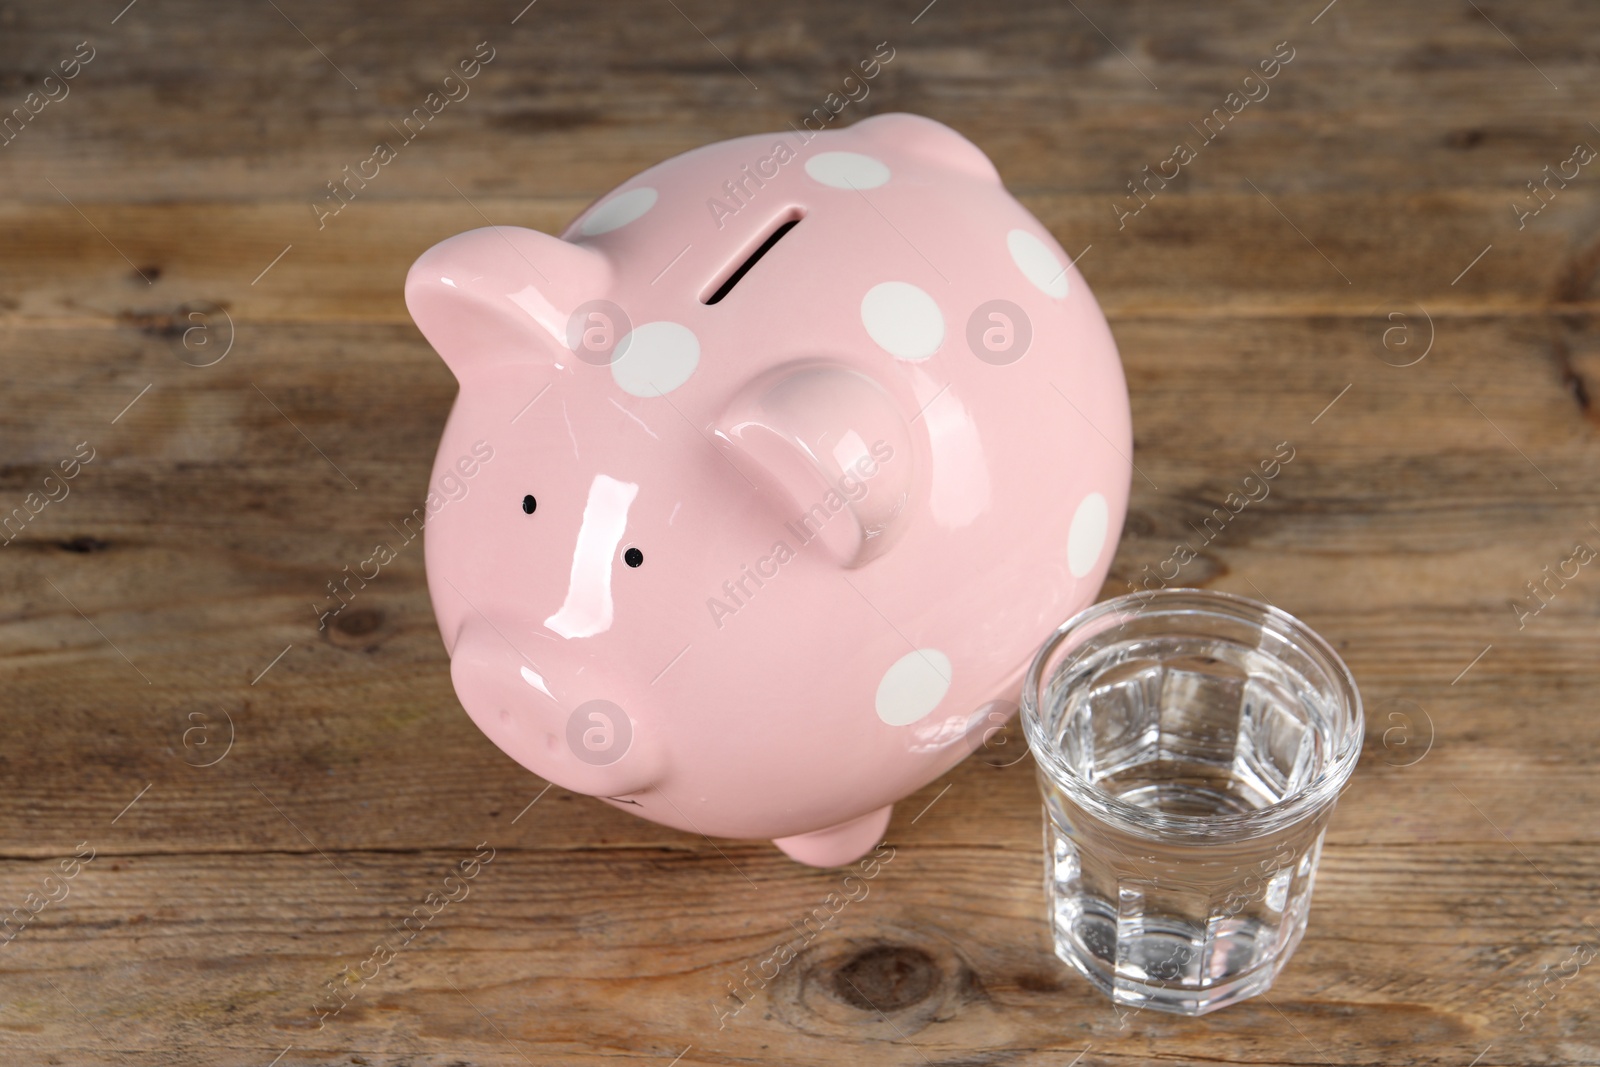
x=1034 y=258
x=847 y=170
x=655 y=358
x=913 y=686
x=618 y=211
x=1087 y=538
x=903 y=319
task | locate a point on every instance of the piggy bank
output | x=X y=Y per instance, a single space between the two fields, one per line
x=774 y=469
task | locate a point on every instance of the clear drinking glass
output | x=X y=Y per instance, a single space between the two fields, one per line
x=1190 y=747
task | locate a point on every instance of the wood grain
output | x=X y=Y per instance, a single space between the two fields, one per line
x=1355 y=218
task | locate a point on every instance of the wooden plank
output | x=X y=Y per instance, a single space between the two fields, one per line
x=580 y=956
x=1181 y=258
x=1396 y=96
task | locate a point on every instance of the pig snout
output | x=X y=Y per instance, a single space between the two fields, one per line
x=591 y=743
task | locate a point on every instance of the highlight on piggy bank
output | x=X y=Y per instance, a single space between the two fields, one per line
x=801 y=443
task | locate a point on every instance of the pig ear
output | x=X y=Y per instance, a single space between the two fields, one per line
x=929 y=140
x=830 y=451
x=501 y=294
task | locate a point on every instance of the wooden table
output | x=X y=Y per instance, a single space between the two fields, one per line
x=1343 y=268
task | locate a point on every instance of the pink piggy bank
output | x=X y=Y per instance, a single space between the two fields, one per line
x=773 y=471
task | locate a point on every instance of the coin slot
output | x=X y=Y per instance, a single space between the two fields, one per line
x=785 y=223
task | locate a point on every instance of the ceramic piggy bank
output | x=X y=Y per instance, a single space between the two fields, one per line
x=776 y=467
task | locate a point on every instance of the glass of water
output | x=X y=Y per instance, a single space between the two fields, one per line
x=1190 y=747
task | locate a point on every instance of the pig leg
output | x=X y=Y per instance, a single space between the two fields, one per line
x=838 y=845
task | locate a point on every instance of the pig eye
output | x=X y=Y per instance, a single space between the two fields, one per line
x=633 y=557
x=529 y=504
